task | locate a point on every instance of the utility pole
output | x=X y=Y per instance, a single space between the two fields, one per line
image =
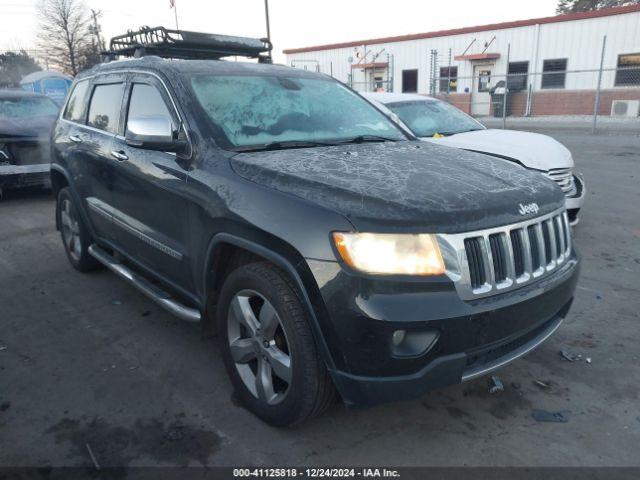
x=269 y=59
x=95 y=28
x=175 y=14
x=596 y=107
x=266 y=12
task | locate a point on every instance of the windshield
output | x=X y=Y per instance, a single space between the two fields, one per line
x=27 y=107
x=259 y=110
x=428 y=118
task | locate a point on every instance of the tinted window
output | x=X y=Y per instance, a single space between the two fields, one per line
x=410 y=81
x=75 y=106
x=146 y=101
x=554 y=80
x=104 y=109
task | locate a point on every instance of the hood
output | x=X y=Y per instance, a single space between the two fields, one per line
x=532 y=150
x=28 y=127
x=404 y=185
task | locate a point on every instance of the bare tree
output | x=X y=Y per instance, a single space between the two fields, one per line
x=15 y=65
x=571 y=6
x=64 y=33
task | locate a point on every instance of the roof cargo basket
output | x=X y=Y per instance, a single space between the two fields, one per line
x=182 y=44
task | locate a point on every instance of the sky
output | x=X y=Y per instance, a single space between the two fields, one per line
x=294 y=23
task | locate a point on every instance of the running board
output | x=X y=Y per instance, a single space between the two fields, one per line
x=159 y=296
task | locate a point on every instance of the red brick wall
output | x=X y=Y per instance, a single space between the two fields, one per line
x=569 y=102
x=518 y=103
x=553 y=102
x=460 y=100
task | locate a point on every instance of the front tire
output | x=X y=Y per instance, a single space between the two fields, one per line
x=75 y=235
x=268 y=347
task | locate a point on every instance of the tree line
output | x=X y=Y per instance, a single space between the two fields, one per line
x=68 y=40
x=573 y=6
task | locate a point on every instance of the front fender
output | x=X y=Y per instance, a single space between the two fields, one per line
x=297 y=270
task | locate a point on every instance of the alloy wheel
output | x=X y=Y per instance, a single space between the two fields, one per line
x=70 y=229
x=259 y=346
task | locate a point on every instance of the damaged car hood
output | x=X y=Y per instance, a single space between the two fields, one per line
x=29 y=127
x=532 y=150
x=408 y=185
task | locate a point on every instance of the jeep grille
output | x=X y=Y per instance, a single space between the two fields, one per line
x=496 y=260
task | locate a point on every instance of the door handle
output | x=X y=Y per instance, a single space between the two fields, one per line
x=75 y=139
x=119 y=155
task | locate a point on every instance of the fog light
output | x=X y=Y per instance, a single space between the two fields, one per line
x=398 y=337
x=414 y=342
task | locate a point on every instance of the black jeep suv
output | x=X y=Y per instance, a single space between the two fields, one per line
x=332 y=252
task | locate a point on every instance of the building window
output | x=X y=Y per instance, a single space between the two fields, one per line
x=518 y=76
x=448 y=79
x=410 y=81
x=554 y=80
x=628 y=72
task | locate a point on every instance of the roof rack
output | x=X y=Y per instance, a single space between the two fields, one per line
x=182 y=44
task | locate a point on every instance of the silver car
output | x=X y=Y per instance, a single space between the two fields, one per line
x=436 y=121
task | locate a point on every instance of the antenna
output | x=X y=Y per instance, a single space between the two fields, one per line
x=266 y=13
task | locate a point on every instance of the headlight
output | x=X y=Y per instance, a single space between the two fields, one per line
x=390 y=254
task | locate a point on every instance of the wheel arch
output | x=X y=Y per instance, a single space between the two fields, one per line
x=284 y=259
x=59 y=180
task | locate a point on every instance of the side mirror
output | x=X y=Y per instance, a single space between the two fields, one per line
x=152 y=132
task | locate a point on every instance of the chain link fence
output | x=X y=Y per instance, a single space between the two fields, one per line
x=380 y=84
x=586 y=98
x=510 y=94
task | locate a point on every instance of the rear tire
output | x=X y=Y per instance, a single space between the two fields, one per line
x=76 y=238
x=268 y=347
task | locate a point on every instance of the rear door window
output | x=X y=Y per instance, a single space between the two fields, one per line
x=104 y=109
x=75 y=106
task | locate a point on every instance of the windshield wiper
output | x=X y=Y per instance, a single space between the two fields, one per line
x=449 y=134
x=367 y=138
x=283 y=145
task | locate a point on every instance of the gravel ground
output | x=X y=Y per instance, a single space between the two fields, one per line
x=85 y=359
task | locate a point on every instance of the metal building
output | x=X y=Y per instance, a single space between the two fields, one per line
x=552 y=65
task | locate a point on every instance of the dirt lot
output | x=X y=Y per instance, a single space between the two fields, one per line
x=85 y=359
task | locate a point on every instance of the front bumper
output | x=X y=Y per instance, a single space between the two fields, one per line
x=25 y=175
x=475 y=337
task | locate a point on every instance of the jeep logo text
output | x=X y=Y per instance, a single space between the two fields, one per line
x=528 y=208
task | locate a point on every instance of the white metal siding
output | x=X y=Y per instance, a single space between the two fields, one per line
x=580 y=41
